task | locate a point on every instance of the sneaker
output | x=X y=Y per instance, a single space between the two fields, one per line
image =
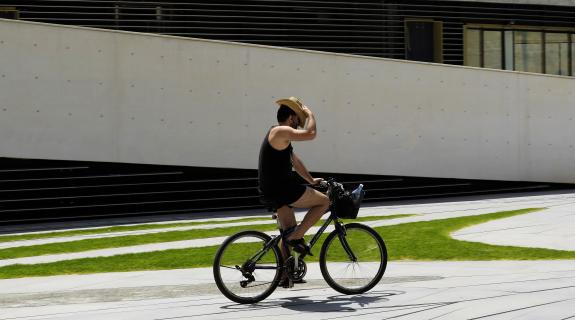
x=300 y=246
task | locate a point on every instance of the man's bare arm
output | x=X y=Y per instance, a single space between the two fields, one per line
x=302 y=170
x=308 y=133
x=310 y=125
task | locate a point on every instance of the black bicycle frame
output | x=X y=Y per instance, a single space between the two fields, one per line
x=263 y=251
x=340 y=233
x=315 y=238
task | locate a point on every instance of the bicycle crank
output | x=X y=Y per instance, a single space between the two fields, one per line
x=296 y=272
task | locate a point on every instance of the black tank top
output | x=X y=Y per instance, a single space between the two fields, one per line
x=275 y=166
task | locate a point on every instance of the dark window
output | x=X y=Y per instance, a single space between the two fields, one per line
x=8 y=13
x=423 y=41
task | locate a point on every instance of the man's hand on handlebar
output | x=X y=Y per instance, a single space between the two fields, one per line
x=320 y=184
x=317 y=181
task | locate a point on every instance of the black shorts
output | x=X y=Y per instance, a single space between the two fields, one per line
x=281 y=195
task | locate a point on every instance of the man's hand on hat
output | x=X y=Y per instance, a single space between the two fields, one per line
x=306 y=110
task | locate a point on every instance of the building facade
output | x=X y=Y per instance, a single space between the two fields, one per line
x=100 y=121
x=532 y=36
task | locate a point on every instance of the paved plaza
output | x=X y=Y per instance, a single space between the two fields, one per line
x=408 y=290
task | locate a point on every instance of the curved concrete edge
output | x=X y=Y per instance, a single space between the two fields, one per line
x=551 y=228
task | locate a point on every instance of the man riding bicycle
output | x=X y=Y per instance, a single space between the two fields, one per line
x=276 y=183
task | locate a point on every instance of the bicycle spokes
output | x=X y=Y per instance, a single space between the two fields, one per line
x=245 y=270
x=355 y=261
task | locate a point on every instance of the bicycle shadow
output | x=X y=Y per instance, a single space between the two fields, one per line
x=337 y=303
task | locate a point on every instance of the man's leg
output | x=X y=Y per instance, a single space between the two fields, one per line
x=286 y=217
x=318 y=204
x=287 y=220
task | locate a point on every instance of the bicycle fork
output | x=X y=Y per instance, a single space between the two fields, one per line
x=341 y=234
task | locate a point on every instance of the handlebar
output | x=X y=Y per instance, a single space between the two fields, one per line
x=347 y=200
x=328 y=185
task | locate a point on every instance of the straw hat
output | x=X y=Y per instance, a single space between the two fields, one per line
x=296 y=105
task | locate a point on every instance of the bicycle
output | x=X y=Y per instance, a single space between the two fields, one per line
x=248 y=266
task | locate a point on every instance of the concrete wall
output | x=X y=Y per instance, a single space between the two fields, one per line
x=82 y=94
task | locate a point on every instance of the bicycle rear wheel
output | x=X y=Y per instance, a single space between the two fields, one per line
x=356 y=273
x=245 y=272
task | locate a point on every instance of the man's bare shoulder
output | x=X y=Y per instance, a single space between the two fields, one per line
x=279 y=137
x=280 y=133
x=287 y=133
x=282 y=128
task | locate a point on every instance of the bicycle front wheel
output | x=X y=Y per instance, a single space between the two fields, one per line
x=245 y=270
x=353 y=262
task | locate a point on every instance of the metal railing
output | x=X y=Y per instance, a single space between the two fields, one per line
x=373 y=28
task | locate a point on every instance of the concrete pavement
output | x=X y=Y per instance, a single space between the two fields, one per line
x=551 y=228
x=409 y=290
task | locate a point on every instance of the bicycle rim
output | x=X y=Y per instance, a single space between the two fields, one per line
x=233 y=278
x=352 y=277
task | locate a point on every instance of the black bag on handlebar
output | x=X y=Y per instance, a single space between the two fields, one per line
x=346 y=203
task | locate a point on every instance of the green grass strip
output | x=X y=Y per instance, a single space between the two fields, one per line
x=428 y=240
x=134 y=240
x=57 y=234
x=431 y=240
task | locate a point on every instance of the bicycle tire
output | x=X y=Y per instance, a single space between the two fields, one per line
x=333 y=257
x=225 y=286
